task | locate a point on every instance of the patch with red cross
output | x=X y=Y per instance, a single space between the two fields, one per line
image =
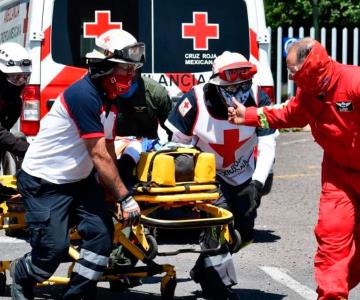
x=184 y=107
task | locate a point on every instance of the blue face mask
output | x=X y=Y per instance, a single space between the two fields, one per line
x=130 y=92
x=240 y=95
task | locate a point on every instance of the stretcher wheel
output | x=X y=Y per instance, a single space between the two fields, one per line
x=168 y=286
x=2 y=284
x=153 y=247
x=235 y=246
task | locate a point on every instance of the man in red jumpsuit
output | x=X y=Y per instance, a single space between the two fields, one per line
x=328 y=99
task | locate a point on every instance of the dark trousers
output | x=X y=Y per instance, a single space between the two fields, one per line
x=49 y=210
x=238 y=205
x=216 y=272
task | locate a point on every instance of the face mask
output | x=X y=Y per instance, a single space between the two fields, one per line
x=130 y=92
x=116 y=84
x=239 y=95
x=18 y=79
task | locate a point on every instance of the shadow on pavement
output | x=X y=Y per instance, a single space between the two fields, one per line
x=265 y=236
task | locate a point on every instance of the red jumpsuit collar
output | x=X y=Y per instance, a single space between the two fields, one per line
x=316 y=75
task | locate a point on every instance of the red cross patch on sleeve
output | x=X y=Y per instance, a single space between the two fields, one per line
x=184 y=107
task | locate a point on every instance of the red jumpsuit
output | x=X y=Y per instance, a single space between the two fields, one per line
x=334 y=118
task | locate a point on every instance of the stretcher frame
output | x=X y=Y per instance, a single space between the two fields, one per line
x=198 y=197
x=140 y=251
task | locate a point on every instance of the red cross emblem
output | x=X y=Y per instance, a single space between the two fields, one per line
x=102 y=23
x=200 y=31
x=231 y=144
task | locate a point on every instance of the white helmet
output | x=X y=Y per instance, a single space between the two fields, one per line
x=119 y=46
x=14 y=58
x=231 y=68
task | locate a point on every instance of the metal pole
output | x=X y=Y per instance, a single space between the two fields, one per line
x=316 y=18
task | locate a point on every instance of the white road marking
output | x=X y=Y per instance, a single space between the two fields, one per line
x=296 y=141
x=10 y=240
x=291 y=283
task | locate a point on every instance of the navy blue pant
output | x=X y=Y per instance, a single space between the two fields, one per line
x=51 y=209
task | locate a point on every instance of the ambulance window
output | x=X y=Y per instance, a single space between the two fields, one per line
x=68 y=44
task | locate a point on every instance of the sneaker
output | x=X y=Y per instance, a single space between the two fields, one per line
x=19 y=291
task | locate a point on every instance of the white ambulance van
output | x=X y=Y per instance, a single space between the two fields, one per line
x=182 y=39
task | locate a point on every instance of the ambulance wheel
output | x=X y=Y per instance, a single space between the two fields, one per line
x=2 y=284
x=235 y=246
x=153 y=247
x=168 y=288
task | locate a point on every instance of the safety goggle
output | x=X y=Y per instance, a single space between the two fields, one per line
x=238 y=71
x=18 y=79
x=232 y=75
x=134 y=53
x=19 y=63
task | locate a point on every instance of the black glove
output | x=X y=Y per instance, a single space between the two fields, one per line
x=253 y=192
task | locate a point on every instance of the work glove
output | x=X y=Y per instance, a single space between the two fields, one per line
x=253 y=193
x=129 y=211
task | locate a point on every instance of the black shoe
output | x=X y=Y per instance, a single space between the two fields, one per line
x=19 y=291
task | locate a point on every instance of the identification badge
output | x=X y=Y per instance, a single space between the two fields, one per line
x=344 y=106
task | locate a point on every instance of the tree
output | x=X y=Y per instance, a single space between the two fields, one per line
x=332 y=13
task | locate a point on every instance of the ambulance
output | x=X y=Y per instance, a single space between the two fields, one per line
x=182 y=39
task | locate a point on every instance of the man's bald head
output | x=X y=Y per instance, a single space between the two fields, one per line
x=300 y=49
x=297 y=52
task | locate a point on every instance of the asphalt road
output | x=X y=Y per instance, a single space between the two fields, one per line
x=277 y=266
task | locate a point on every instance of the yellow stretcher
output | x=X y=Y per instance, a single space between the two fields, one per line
x=144 y=249
x=160 y=189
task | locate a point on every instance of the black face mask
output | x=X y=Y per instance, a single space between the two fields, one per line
x=8 y=91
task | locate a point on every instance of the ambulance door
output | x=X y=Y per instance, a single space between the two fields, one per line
x=187 y=35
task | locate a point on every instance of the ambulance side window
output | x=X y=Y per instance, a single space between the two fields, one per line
x=68 y=44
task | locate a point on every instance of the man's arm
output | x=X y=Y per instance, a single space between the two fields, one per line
x=266 y=145
x=285 y=115
x=15 y=145
x=181 y=119
x=105 y=166
x=265 y=158
x=128 y=209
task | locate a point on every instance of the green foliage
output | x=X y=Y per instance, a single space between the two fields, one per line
x=296 y=13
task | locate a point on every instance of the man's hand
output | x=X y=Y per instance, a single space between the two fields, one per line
x=236 y=115
x=129 y=212
x=253 y=193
